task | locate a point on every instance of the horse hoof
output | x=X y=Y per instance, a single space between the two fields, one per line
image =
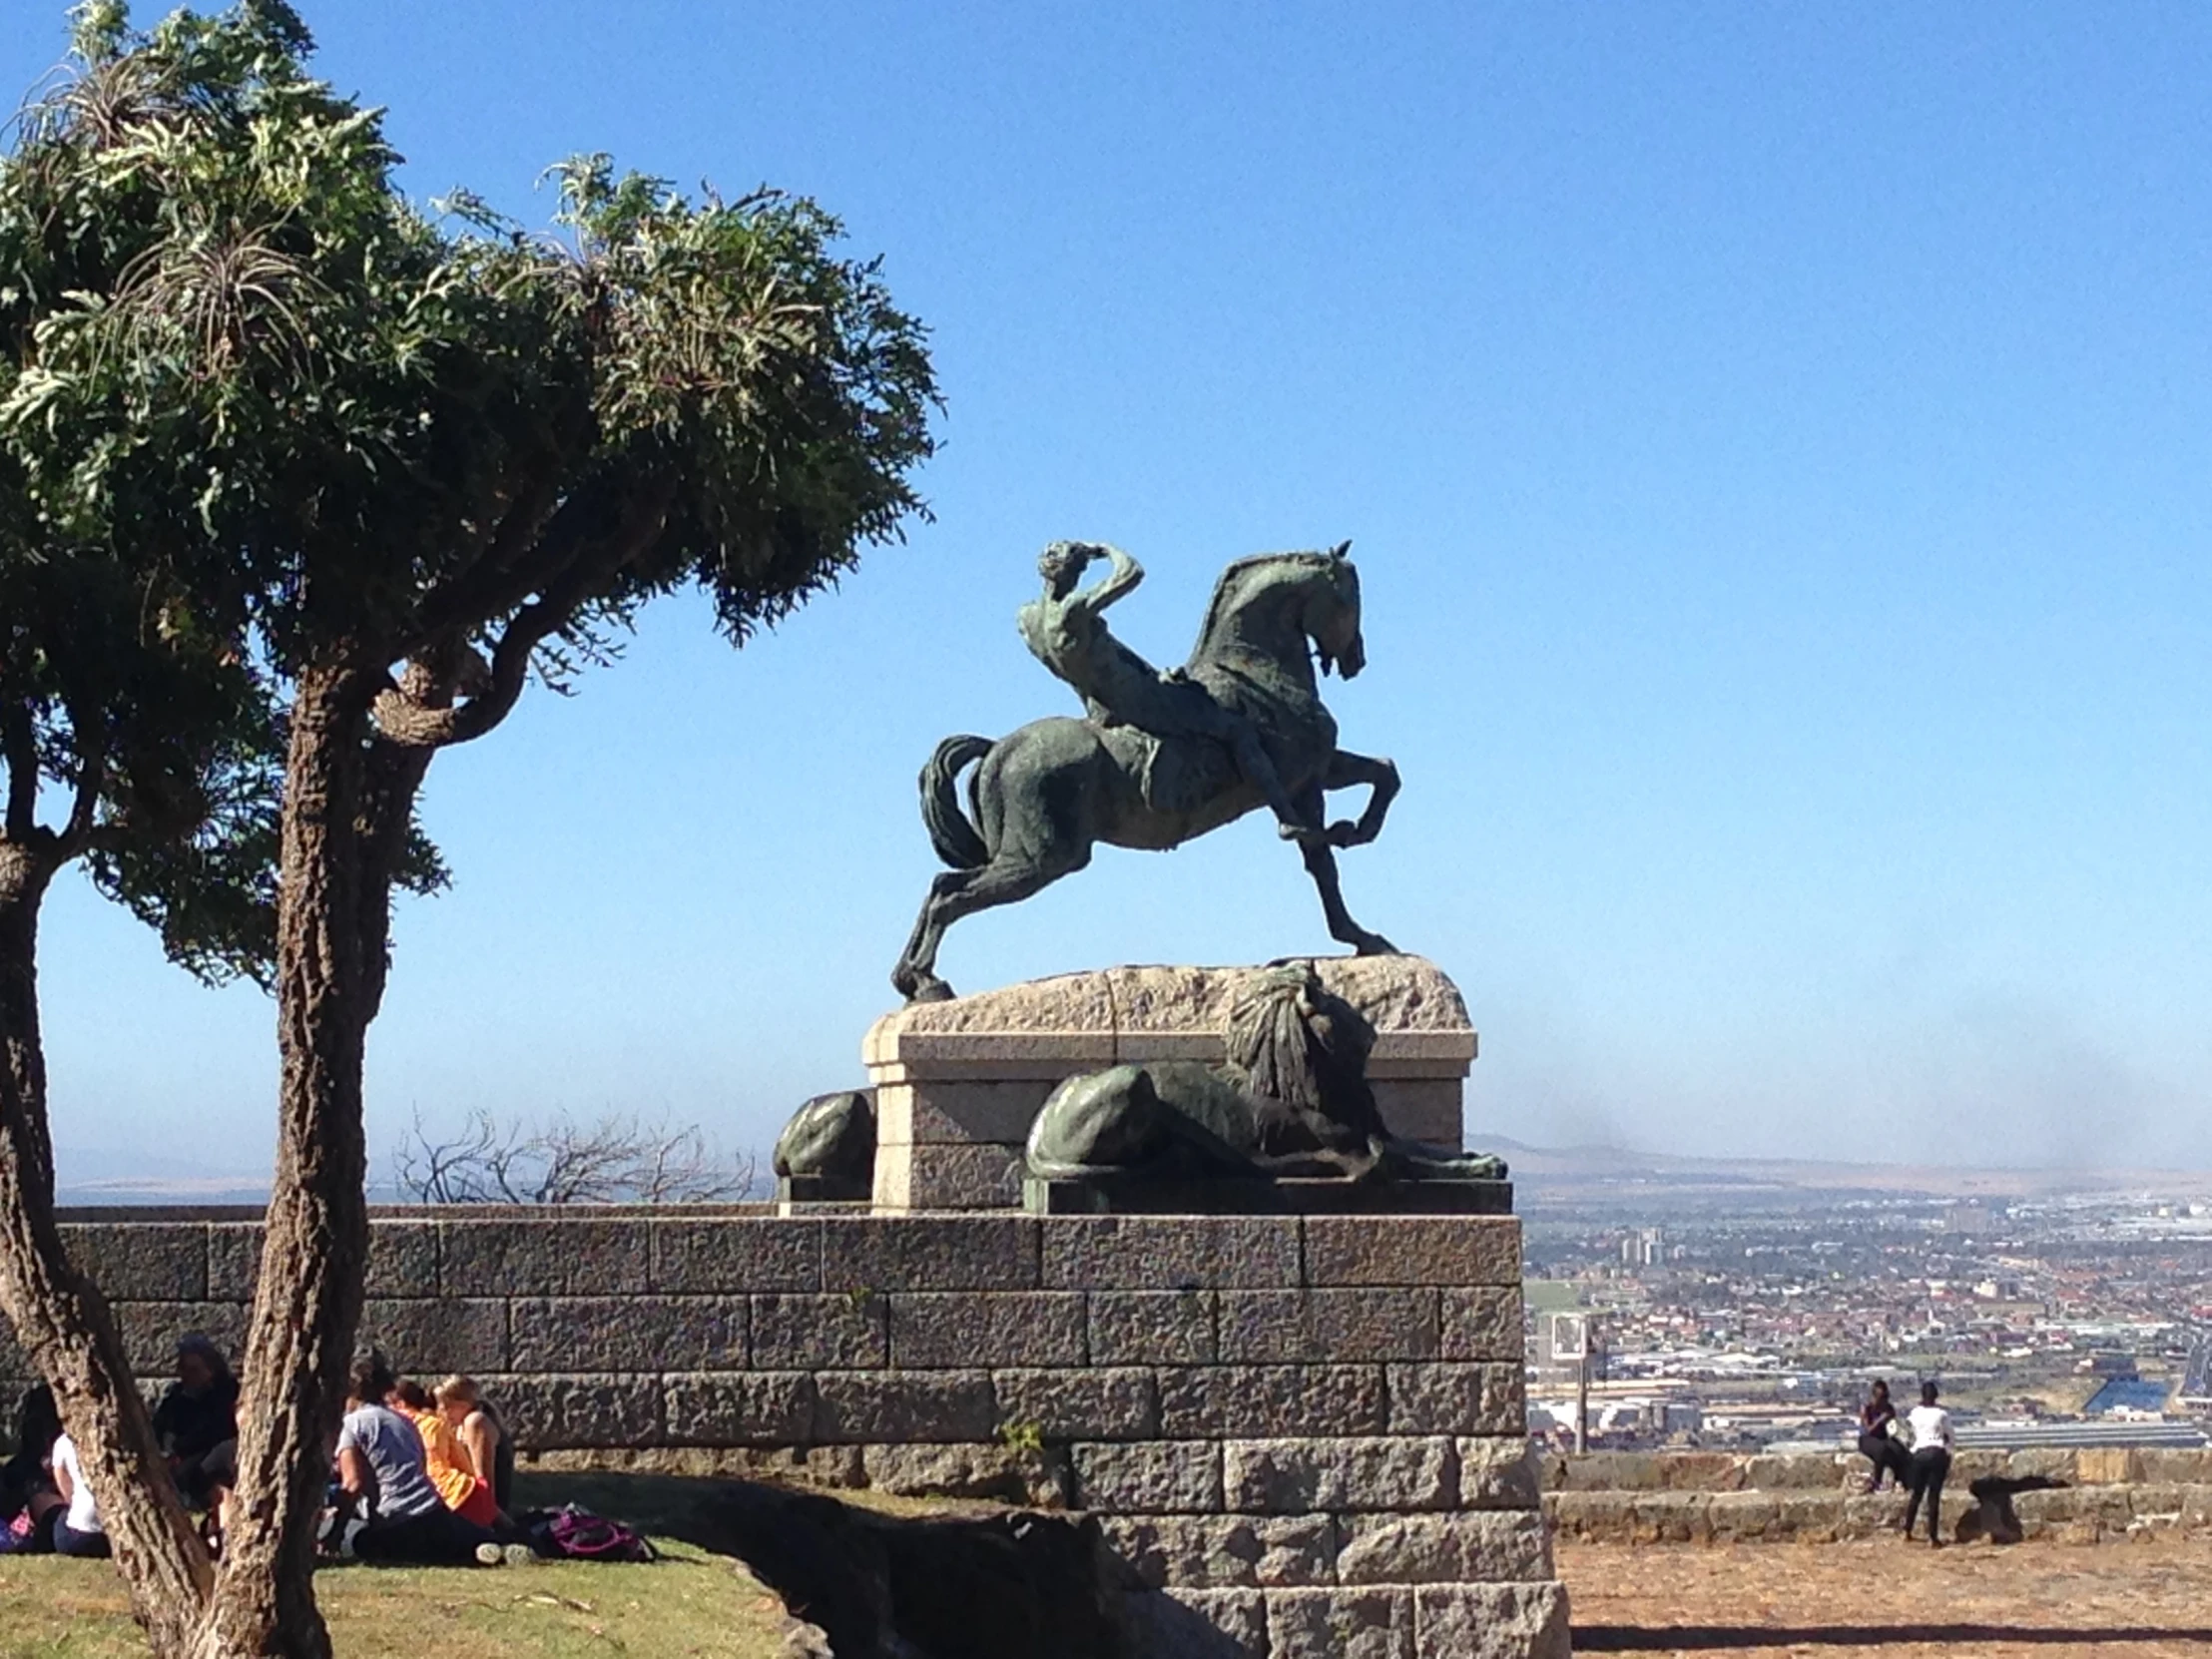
x=929 y=988
x=1375 y=944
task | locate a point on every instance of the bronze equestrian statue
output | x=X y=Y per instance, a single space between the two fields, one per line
x=1157 y=758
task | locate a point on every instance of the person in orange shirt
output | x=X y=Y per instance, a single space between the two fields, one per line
x=445 y=1457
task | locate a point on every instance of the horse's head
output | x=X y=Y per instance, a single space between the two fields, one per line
x=1277 y=602
x=1332 y=615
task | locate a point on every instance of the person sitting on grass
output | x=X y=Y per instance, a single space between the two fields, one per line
x=490 y=1453
x=383 y=1473
x=198 y=1417
x=29 y=1473
x=445 y=1457
x=77 y=1530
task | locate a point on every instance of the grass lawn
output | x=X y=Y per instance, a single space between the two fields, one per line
x=687 y=1603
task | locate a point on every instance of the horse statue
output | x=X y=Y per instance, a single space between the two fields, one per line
x=1042 y=797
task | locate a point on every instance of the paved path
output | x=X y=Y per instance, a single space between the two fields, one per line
x=1885 y=1599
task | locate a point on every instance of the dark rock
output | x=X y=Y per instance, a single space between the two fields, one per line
x=1003 y=1584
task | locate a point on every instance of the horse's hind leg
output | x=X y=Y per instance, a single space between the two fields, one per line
x=962 y=892
x=1320 y=864
x=915 y=979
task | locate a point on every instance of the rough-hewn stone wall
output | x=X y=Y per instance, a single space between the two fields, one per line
x=1719 y=1498
x=1308 y=1431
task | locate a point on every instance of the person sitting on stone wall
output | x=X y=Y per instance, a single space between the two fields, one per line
x=1879 y=1441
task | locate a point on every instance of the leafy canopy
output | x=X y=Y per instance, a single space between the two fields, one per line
x=281 y=417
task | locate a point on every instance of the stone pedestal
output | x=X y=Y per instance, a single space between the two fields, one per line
x=957 y=1083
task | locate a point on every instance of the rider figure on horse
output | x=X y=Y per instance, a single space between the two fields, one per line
x=1066 y=630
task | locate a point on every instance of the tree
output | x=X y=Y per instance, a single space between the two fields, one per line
x=429 y=458
x=620 y=1158
x=138 y=730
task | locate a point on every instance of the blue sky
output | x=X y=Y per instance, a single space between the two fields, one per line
x=1775 y=443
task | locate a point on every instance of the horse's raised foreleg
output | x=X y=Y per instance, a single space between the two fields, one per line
x=962 y=892
x=1320 y=864
x=1347 y=771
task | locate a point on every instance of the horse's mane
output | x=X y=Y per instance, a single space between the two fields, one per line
x=1233 y=575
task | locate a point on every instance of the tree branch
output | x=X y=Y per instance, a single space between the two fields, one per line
x=92 y=778
x=20 y=744
x=413 y=723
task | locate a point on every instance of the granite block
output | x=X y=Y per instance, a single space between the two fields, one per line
x=1492 y=1621
x=1473 y=1546
x=1195 y=1624
x=1223 y=1551
x=929 y=1253
x=1299 y=1477
x=1153 y=1327
x=580 y=1412
x=627 y=1334
x=1499 y=1471
x=1339 y=1326
x=427 y=1337
x=1098 y=1403
x=759 y=1254
x=1148 y=1477
x=528 y=1258
x=821 y=1332
x=1449 y=1251
x=954 y=1111
x=879 y=1407
x=150 y=1331
x=1265 y=1401
x=1487 y=1399
x=728 y=1409
x=932 y=1331
x=943 y=1174
x=1363 y=1623
x=1170 y=1253
x=141 y=1261
x=1483 y=1323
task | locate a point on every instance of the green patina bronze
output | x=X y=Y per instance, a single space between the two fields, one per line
x=1291 y=1101
x=1157 y=758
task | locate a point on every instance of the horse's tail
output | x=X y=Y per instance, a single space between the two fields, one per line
x=957 y=840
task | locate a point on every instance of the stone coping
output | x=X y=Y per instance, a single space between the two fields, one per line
x=1163 y=1012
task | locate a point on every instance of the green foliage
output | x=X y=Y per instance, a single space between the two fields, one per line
x=1021 y=1435
x=297 y=420
x=129 y=686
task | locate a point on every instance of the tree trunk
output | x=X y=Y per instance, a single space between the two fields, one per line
x=309 y=1301
x=60 y=1317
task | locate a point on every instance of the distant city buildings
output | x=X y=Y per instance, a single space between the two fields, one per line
x=1760 y=1320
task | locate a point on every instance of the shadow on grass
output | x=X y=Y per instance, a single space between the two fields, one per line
x=1717 y=1638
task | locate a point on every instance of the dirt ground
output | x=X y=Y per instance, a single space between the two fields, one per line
x=1885 y=1599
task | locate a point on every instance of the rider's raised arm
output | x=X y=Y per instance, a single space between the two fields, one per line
x=1125 y=574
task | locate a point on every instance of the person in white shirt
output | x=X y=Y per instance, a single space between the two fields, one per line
x=1931 y=1443
x=78 y=1532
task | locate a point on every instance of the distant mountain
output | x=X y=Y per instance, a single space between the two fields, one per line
x=124 y=1176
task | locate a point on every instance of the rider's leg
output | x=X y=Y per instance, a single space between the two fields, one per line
x=1258 y=766
x=1252 y=761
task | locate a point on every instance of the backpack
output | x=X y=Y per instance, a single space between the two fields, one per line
x=574 y=1533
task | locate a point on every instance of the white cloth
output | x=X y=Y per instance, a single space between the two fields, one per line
x=1931 y=1427
x=84 y=1513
